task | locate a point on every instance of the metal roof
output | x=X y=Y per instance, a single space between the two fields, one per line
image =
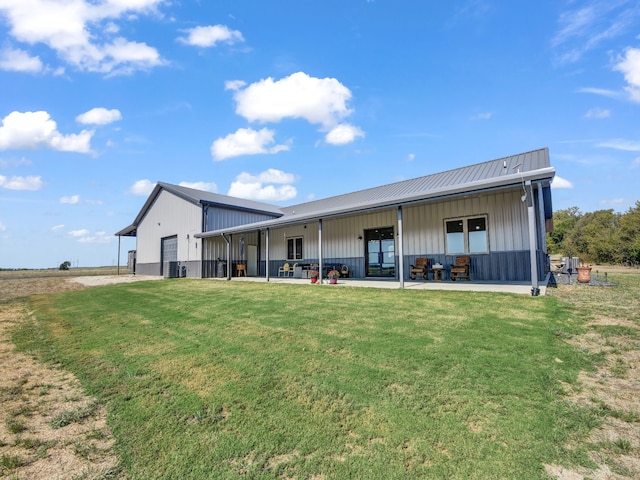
x=199 y=197
x=502 y=172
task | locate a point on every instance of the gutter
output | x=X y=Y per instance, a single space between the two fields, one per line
x=497 y=183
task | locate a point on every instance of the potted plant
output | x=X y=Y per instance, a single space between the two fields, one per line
x=314 y=276
x=584 y=273
x=333 y=276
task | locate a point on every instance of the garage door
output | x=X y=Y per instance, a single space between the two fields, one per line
x=169 y=251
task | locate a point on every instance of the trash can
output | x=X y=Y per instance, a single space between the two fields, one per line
x=222 y=270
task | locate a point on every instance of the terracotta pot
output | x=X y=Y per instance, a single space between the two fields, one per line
x=314 y=279
x=584 y=274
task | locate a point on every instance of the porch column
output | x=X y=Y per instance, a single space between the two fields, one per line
x=400 y=248
x=535 y=290
x=320 y=249
x=118 y=271
x=266 y=249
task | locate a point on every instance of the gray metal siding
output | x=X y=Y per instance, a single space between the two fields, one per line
x=218 y=218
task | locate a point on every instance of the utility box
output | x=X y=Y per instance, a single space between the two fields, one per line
x=131 y=262
x=170 y=269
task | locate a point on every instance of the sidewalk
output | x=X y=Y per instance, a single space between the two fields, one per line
x=523 y=288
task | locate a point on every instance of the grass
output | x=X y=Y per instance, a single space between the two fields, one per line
x=75 y=415
x=207 y=379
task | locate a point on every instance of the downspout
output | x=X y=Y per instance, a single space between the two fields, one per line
x=320 y=249
x=535 y=289
x=400 y=247
x=267 y=254
x=541 y=222
x=228 y=240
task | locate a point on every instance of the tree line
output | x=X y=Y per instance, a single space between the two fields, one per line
x=603 y=236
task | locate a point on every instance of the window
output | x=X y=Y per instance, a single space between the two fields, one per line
x=294 y=248
x=467 y=235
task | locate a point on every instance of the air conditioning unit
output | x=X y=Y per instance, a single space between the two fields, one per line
x=171 y=270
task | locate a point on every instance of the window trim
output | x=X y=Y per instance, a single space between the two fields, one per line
x=465 y=232
x=295 y=251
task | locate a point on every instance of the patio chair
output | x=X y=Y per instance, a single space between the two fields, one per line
x=344 y=271
x=420 y=268
x=461 y=268
x=283 y=271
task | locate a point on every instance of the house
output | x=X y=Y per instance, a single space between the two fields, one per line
x=496 y=212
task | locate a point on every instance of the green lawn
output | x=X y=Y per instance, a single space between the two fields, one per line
x=211 y=379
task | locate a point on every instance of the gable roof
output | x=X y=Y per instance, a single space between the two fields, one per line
x=499 y=173
x=199 y=197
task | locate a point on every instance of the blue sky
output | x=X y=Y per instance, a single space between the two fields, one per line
x=288 y=101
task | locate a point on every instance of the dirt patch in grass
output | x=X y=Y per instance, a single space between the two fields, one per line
x=613 y=388
x=49 y=428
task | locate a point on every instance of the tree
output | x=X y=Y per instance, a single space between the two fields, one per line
x=64 y=265
x=630 y=235
x=564 y=222
x=595 y=237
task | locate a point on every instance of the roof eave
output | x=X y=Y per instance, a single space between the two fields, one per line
x=510 y=180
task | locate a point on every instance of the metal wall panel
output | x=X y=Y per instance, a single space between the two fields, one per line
x=506 y=222
x=169 y=215
x=218 y=218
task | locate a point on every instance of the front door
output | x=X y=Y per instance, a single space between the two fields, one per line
x=381 y=252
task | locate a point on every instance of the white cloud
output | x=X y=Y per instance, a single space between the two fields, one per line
x=98 y=237
x=584 y=28
x=210 y=35
x=603 y=92
x=343 y=134
x=142 y=187
x=21 y=183
x=411 y=157
x=598 y=113
x=81 y=32
x=99 y=116
x=57 y=227
x=482 y=116
x=559 y=182
x=271 y=186
x=32 y=130
x=621 y=144
x=79 y=233
x=636 y=162
x=245 y=141
x=3 y=228
x=17 y=60
x=206 y=186
x=629 y=65
x=14 y=162
x=318 y=100
x=234 y=84
x=70 y=200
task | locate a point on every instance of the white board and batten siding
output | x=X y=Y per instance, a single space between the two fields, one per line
x=169 y=216
x=423 y=224
x=507 y=222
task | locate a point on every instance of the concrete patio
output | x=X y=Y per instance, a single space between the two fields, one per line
x=523 y=288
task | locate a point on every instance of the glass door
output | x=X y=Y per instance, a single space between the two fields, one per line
x=380 y=254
